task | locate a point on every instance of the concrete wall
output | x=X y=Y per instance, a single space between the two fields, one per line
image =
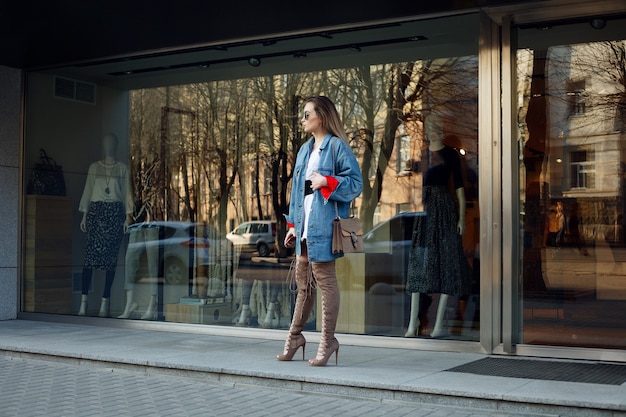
x=10 y=108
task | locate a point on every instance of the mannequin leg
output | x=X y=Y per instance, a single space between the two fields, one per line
x=104 y=308
x=83 y=305
x=131 y=305
x=133 y=255
x=245 y=303
x=272 y=318
x=87 y=274
x=108 y=283
x=151 y=311
x=441 y=311
x=414 y=321
x=86 y=283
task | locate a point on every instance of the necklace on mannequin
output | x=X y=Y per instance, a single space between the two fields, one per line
x=108 y=174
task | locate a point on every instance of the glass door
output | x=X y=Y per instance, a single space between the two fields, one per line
x=571 y=97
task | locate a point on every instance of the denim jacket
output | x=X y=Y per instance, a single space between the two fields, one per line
x=349 y=186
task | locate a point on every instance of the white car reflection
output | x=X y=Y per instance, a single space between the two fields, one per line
x=185 y=246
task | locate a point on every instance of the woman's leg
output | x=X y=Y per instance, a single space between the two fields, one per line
x=305 y=299
x=326 y=277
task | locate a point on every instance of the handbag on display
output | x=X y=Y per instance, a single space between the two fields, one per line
x=47 y=177
x=347 y=233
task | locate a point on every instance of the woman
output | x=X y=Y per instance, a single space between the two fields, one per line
x=326 y=177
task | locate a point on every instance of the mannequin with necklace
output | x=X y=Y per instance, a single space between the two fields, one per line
x=106 y=207
x=437 y=262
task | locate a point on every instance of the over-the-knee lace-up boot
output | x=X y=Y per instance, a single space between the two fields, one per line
x=326 y=278
x=304 y=304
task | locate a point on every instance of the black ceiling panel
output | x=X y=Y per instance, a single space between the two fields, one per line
x=43 y=34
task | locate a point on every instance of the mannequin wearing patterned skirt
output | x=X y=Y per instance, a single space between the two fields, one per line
x=106 y=207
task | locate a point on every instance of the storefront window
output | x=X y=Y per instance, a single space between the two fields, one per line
x=194 y=179
x=571 y=117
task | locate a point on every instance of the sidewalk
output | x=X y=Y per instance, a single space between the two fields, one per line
x=372 y=373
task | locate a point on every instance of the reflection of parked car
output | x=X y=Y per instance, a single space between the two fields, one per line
x=387 y=248
x=185 y=245
x=254 y=236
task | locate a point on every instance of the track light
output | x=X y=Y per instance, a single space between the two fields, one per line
x=254 y=61
x=598 y=23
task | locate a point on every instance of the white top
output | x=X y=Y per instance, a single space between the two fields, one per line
x=314 y=163
x=108 y=183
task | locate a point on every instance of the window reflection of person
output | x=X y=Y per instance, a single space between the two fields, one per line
x=555 y=224
x=105 y=204
x=437 y=262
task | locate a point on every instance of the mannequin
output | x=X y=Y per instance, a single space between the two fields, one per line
x=272 y=315
x=144 y=231
x=437 y=262
x=106 y=207
x=138 y=236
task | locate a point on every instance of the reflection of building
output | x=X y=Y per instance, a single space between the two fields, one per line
x=585 y=153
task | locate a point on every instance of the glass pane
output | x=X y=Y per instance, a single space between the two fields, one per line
x=572 y=158
x=206 y=154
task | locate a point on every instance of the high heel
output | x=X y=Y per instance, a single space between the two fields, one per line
x=151 y=311
x=291 y=347
x=244 y=318
x=323 y=355
x=272 y=319
x=324 y=273
x=412 y=332
x=83 y=305
x=126 y=314
x=302 y=310
x=104 y=308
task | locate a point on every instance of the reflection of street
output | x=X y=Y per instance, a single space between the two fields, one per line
x=268 y=269
x=599 y=269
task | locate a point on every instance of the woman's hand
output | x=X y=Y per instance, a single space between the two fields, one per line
x=290 y=237
x=83 y=223
x=318 y=181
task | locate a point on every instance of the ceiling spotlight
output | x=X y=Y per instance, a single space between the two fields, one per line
x=203 y=65
x=545 y=27
x=355 y=48
x=269 y=43
x=254 y=61
x=128 y=72
x=598 y=23
x=299 y=54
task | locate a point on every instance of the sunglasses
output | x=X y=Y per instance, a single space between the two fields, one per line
x=307 y=115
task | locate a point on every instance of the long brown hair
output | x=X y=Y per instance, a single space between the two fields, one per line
x=331 y=121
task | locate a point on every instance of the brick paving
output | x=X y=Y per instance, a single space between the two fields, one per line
x=30 y=388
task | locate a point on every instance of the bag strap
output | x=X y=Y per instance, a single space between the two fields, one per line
x=46 y=159
x=332 y=151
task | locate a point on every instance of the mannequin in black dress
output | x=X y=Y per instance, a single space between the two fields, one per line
x=439 y=265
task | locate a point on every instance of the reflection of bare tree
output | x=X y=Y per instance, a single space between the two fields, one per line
x=390 y=96
x=574 y=101
x=230 y=145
